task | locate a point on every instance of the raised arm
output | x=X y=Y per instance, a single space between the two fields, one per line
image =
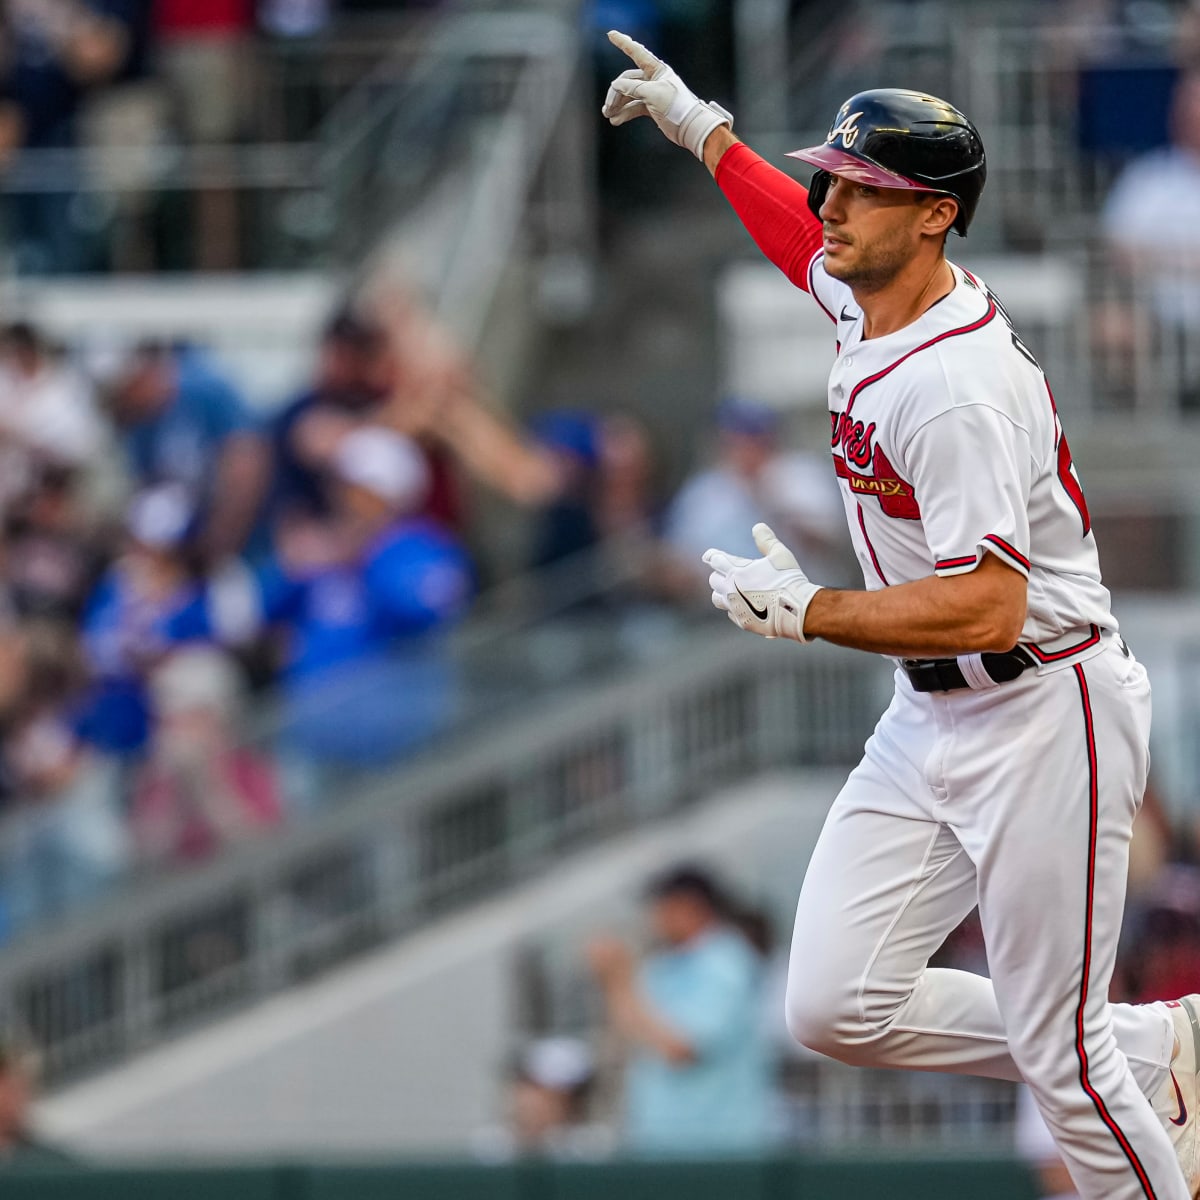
x=772 y=206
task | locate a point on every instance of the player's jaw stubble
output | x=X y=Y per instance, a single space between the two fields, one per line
x=869 y=267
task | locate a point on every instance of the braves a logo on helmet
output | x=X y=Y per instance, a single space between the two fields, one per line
x=846 y=129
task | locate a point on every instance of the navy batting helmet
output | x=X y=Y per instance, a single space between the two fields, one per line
x=894 y=138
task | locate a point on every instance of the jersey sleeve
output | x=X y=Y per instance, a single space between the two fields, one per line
x=972 y=470
x=774 y=209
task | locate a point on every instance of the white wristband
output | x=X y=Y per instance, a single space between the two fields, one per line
x=695 y=128
x=794 y=599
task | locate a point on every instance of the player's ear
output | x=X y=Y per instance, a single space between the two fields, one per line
x=940 y=215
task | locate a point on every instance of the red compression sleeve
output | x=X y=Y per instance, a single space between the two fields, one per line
x=774 y=209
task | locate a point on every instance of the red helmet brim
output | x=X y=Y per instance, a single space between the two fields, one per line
x=850 y=166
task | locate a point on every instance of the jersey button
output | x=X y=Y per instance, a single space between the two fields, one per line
x=849 y=360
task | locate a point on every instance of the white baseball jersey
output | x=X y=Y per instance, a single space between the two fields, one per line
x=947 y=446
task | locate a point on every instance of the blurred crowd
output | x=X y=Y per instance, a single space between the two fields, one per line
x=126 y=83
x=217 y=609
x=212 y=615
x=165 y=549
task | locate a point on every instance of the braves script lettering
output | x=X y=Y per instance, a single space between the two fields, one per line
x=854 y=438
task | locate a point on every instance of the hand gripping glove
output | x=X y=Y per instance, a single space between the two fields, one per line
x=769 y=595
x=653 y=89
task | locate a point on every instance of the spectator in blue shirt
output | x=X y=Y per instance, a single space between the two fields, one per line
x=351 y=380
x=362 y=595
x=697 y=1080
x=185 y=424
x=146 y=603
x=566 y=524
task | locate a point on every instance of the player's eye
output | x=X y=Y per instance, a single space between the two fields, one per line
x=865 y=189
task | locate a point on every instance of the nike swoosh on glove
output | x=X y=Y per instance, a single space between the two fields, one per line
x=769 y=595
x=653 y=89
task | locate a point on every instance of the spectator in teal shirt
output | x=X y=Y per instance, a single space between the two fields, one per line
x=697 y=1080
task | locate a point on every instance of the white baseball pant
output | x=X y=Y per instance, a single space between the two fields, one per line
x=1020 y=798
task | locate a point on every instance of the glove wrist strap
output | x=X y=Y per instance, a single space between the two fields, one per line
x=793 y=605
x=699 y=123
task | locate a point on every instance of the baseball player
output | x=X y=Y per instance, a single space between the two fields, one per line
x=1011 y=761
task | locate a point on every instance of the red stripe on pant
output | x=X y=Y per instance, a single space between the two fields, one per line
x=1080 y=1048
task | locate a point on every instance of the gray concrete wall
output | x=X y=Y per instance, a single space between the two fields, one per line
x=402 y=1052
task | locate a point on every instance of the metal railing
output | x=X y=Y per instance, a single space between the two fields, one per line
x=578 y=620
x=415 y=112
x=826 y=1103
x=1012 y=66
x=316 y=741
x=117 y=202
x=480 y=812
x=793 y=74
x=1118 y=334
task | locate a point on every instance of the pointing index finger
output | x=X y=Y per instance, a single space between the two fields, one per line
x=635 y=50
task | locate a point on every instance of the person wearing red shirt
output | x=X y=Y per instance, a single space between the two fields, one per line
x=204 y=56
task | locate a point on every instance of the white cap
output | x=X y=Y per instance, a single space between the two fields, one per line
x=106 y=358
x=384 y=462
x=159 y=516
x=560 y=1063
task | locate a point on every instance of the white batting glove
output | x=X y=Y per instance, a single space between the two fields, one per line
x=769 y=595
x=652 y=89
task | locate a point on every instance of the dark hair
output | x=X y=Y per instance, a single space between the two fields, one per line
x=755 y=925
x=349 y=328
x=688 y=879
x=23 y=335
